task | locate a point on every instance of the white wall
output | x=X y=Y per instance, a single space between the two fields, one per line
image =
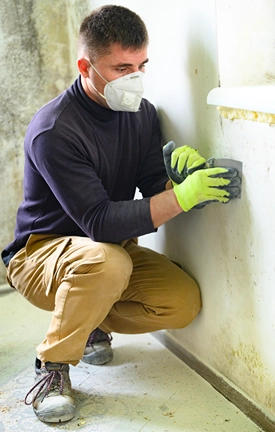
x=227 y=248
x=246 y=39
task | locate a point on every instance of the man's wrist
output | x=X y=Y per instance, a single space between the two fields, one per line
x=169 y=185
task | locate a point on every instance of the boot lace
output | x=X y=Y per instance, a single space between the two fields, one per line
x=46 y=384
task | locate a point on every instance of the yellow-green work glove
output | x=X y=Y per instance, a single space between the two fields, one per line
x=206 y=186
x=180 y=162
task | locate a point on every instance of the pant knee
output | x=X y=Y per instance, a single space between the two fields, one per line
x=187 y=305
x=118 y=265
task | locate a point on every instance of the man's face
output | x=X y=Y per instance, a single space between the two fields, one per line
x=111 y=66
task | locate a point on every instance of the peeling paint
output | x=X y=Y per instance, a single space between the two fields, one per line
x=233 y=114
x=251 y=357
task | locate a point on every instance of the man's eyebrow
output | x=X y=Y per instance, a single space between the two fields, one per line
x=145 y=61
x=130 y=64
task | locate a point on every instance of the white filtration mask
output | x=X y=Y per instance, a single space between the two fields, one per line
x=124 y=93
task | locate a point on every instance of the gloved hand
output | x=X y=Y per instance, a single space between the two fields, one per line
x=180 y=162
x=206 y=186
x=234 y=187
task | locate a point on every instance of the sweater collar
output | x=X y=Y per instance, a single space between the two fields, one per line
x=89 y=104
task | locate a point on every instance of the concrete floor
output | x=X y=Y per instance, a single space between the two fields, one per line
x=145 y=388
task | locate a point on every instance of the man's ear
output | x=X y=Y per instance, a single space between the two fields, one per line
x=83 y=66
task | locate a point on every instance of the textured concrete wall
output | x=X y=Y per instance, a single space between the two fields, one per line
x=37 y=61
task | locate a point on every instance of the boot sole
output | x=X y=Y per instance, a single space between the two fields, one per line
x=66 y=413
x=98 y=357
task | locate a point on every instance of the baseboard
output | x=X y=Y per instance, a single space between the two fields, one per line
x=265 y=421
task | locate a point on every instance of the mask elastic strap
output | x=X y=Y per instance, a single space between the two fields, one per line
x=100 y=94
x=94 y=68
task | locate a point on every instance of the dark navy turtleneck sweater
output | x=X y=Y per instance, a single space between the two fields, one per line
x=83 y=163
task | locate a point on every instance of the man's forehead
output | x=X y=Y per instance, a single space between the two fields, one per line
x=121 y=56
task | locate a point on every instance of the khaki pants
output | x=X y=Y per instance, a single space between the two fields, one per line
x=125 y=289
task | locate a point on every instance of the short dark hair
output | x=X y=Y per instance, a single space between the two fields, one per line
x=108 y=25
